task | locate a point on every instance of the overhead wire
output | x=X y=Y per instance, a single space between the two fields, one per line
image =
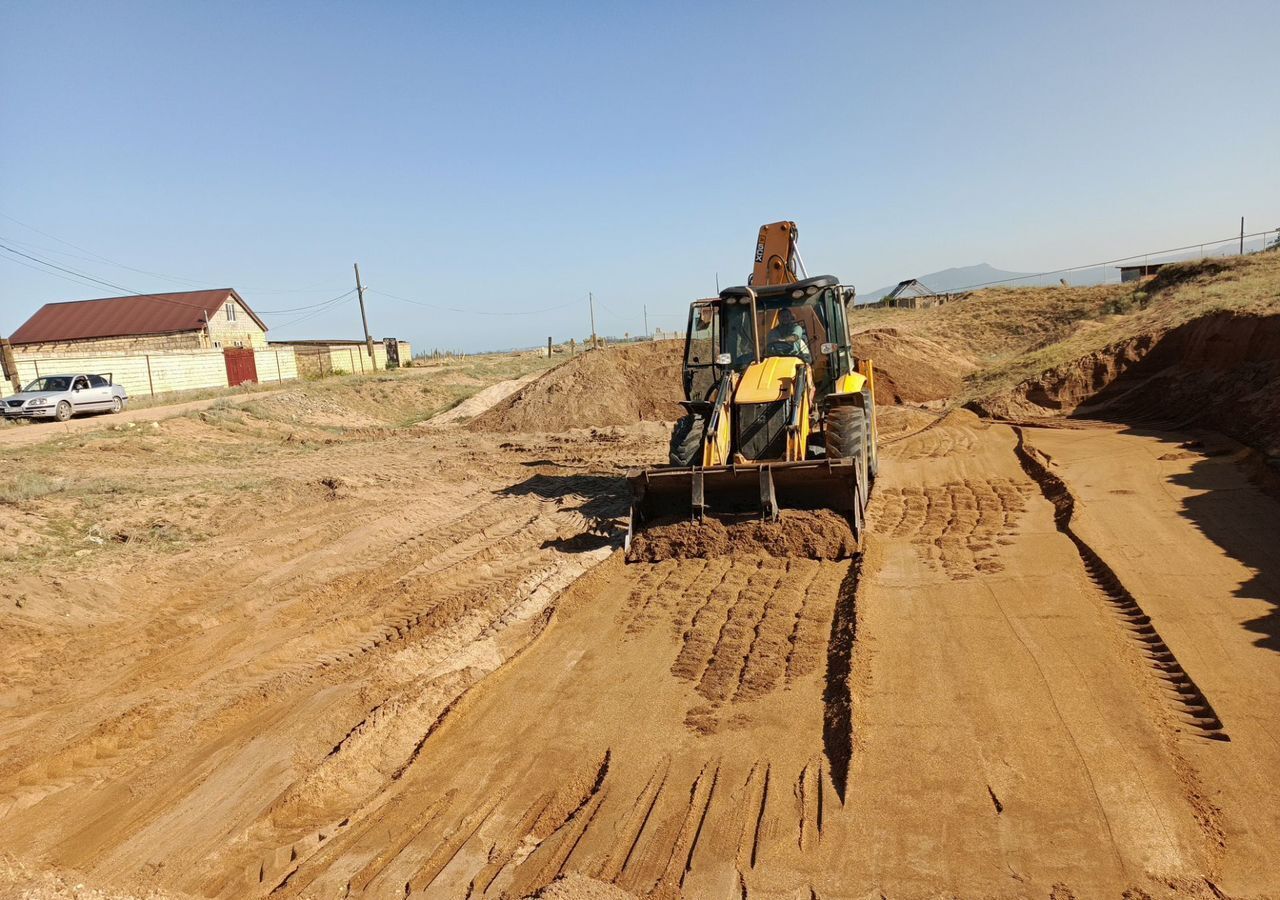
x=1111 y=262
x=340 y=302
x=45 y=262
x=98 y=257
x=273 y=312
x=73 y=280
x=475 y=312
x=86 y=279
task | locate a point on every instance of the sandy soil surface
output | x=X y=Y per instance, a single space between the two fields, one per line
x=38 y=432
x=411 y=661
x=638 y=382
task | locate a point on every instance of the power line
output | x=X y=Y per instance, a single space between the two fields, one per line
x=312 y=315
x=45 y=262
x=47 y=272
x=140 y=295
x=98 y=257
x=273 y=312
x=1112 y=262
x=90 y=259
x=474 y=312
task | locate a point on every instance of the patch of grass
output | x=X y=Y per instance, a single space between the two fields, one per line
x=29 y=486
x=174 y=397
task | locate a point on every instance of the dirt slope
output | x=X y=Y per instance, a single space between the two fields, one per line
x=1220 y=370
x=908 y=368
x=617 y=385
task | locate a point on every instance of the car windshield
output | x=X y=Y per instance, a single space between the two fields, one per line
x=51 y=383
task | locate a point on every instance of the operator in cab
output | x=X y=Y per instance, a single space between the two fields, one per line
x=788 y=338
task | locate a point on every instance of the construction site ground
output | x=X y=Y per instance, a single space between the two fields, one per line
x=266 y=650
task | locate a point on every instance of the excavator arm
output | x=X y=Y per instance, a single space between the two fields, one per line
x=777 y=259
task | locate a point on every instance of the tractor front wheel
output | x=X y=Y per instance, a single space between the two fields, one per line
x=846 y=432
x=686 y=441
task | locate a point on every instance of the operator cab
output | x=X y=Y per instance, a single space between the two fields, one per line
x=805 y=319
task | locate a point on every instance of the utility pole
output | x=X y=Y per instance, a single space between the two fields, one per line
x=9 y=364
x=1242 y=235
x=646 y=319
x=591 y=302
x=364 y=320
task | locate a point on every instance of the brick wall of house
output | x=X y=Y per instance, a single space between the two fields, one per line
x=148 y=343
x=231 y=326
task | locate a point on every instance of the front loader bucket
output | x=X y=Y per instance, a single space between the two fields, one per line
x=758 y=490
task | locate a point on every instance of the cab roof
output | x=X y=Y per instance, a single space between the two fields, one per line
x=776 y=291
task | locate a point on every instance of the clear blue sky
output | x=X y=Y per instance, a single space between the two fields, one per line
x=508 y=157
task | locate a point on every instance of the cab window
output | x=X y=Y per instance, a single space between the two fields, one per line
x=701 y=344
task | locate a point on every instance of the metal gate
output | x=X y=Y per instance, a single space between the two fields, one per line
x=241 y=367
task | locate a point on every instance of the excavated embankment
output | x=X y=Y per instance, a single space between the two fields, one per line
x=1220 y=371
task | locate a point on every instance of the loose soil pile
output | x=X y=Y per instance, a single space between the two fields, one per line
x=820 y=534
x=614 y=386
x=910 y=369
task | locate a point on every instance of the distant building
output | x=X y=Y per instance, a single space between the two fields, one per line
x=1139 y=273
x=909 y=289
x=143 y=323
x=913 y=294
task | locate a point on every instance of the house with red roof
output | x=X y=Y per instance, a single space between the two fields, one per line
x=143 y=323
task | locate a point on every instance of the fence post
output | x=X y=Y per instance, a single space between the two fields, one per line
x=151 y=386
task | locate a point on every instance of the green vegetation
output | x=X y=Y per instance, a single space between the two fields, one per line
x=28 y=486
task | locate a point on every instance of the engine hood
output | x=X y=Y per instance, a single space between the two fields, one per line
x=768 y=380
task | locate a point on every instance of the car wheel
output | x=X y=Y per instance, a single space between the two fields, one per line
x=117 y=405
x=63 y=412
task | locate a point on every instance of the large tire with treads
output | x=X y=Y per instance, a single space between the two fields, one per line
x=686 y=441
x=846 y=432
x=846 y=438
x=873 y=448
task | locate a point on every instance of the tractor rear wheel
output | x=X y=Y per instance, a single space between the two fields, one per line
x=686 y=441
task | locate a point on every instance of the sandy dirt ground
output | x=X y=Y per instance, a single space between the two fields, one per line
x=418 y=665
x=38 y=432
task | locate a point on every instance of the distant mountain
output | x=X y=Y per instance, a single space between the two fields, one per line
x=983 y=274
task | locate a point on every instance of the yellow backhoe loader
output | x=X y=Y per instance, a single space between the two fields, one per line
x=780 y=414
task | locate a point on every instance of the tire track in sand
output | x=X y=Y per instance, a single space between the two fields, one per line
x=1178 y=688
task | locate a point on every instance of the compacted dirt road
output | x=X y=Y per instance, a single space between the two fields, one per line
x=1052 y=672
x=1003 y=724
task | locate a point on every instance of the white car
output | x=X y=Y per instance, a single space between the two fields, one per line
x=63 y=396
